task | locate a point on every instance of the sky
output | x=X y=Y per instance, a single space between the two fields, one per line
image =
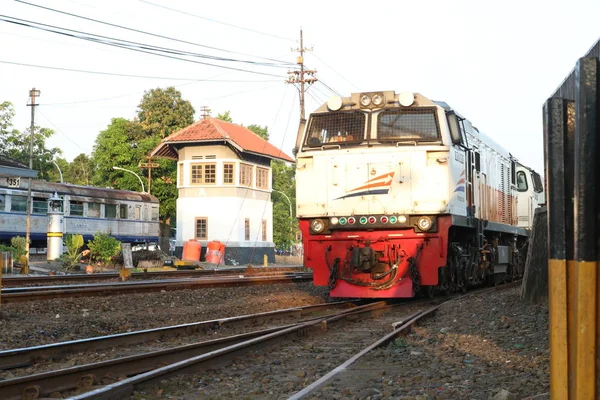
x=495 y=62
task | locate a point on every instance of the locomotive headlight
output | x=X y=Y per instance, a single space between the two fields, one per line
x=317 y=225
x=334 y=103
x=365 y=100
x=377 y=99
x=334 y=220
x=424 y=223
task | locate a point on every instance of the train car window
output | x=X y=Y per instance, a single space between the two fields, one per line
x=93 y=210
x=416 y=124
x=336 y=128
x=137 y=212
x=538 y=187
x=2 y=202
x=123 y=211
x=477 y=161
x=18 y=203
x=522 y=181
x=76 y=208
x=154 y=214
x=110 y=210
x=202 y=228
x=40 y=205
x=513 y=172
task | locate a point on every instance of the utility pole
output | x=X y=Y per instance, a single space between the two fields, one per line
x=33 y=93
x=205 y=112
x=302 y=77
x=149 y=165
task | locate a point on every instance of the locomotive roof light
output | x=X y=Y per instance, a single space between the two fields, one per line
x=365 y=100
x=406 y=99
x=317 y=225
x=334 y=103
x=377 y=99
x=424 y=223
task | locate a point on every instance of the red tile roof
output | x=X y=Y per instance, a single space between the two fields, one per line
x=213 y=129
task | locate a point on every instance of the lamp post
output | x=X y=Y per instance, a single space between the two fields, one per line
x=131 y=172
x=59 y=171
x=290 y=204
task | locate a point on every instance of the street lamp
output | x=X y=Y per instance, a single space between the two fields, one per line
x=59 y=171
x=131 y=172
x=290 y=204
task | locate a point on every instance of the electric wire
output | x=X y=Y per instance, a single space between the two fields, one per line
x=215 y=21
x=61 y=132
x=147 y=33
x=337 y=73
x=133 y=75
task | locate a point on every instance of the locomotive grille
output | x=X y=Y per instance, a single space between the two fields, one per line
x=409 y=124
x=336 y=128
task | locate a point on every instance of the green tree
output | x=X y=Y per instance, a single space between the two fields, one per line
x=225 y=117
x=80 y=170
x=54 y=175
x=261 y=131
x=285 y=227
x=163 y=111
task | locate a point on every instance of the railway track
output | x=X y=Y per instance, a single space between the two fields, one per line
x=31 y=293
x=38 y=280
x=338 y=339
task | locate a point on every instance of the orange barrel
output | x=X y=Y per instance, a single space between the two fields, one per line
x=191 y=250
x=215 y=252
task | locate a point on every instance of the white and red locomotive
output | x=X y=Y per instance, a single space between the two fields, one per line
x=397 y=194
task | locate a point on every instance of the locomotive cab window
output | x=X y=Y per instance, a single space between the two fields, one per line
x=336 y=128
x=411 y=125
x=522 y=181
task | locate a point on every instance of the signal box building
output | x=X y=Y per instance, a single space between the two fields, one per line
x=224 y=183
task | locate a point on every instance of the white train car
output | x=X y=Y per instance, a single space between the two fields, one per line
x=130 y=217
x=398 y=194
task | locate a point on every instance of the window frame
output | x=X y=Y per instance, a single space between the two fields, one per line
x=311 y=144
x=259 y=183
x=226 y=174
x=244 y=168
x=113 y=207
x=524 y=174
x=203 y=173
x=196 y=235
x=123 y=208
x=99 y=210
x=38 y=200
x=76 y=202
x=12 y=203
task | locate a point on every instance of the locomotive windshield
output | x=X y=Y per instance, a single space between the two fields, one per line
x=336 y=128
x=417 y=124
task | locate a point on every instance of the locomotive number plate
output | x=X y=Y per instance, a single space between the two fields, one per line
x=14 y=182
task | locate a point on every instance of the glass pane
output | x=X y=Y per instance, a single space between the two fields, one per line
x=76 y=208
x=123 y=211
x=210 y=173
x=413 y=125
x=93 y=210
x=197 y=173
x=18 y=203
x=40 y=205
x=154 y=213
x=110 y=211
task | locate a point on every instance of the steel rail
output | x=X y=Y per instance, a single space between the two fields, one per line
x=86 y=375
x=21 y=357
x=11 y=295
x=15 y=281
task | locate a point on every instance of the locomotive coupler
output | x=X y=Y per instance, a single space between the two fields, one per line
x=363 y=258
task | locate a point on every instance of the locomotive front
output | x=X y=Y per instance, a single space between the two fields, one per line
x=378 y=180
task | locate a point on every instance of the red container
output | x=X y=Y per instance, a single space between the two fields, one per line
x=215 y=252
x=191 y=250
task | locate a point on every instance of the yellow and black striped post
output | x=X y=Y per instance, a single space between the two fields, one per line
x=572 y=145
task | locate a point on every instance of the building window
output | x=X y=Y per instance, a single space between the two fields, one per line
x=247 y=229
x=181 y=174
x=123 y=211
x=76 y=208
x=246 y=175
x=93 y=210
x=262 y=178
x=110 y=210
x=154 y=214
x=40 y=205
x=203 y=174
x=264 y=230
x=228 y=173
x=202 y=228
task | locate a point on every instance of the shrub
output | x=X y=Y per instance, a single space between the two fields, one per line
x=103 y=247
x=11 y=249
x=72 y=255
x=19 y=243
